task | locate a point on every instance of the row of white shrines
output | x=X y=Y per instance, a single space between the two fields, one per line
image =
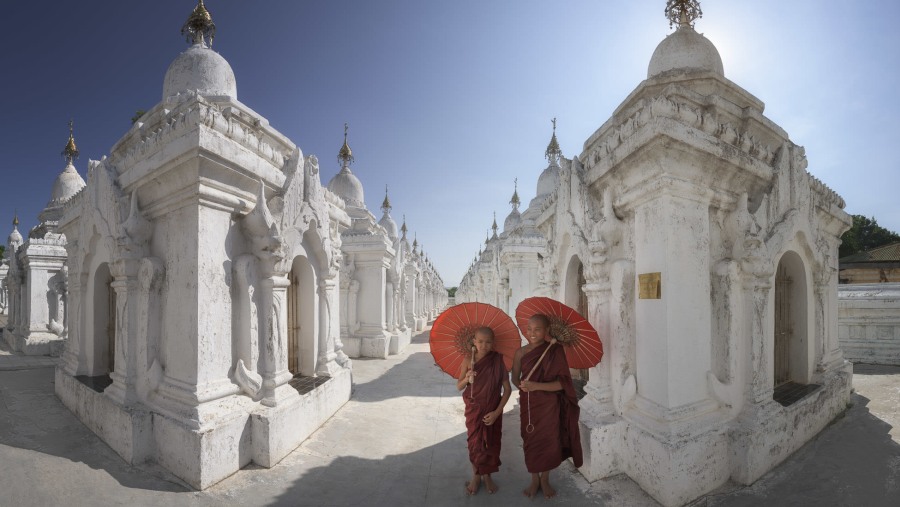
x=207 y=267
x=203 y=288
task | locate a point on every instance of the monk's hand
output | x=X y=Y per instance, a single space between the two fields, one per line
x=490 y=418
x=527 y=385
x=470 y=377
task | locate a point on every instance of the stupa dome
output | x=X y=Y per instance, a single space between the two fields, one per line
x=200 y=69
x=686 y=50
x=348 y=187
x=67 y=184
x=15 y=237
x=548 y=180
x=512 y=220
x=389 y=225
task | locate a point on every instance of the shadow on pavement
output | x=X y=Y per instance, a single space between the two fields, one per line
x=853 y=461
x=33 y=419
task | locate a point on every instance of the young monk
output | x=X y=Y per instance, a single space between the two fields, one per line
x=548 y=405
x=481 y=386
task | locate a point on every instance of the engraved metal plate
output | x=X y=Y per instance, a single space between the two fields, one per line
x=650 y=286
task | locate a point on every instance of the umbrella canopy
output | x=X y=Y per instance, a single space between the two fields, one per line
x=453 y=332
x=578 y=338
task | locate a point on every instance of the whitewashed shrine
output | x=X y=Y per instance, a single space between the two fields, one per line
x=37 y=277
x=388 y=289
x=706 y=255
x=204 y=258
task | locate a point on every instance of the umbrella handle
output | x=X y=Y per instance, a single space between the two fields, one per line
x=538 y=363
x=472 y=396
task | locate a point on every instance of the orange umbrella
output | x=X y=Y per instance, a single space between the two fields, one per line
x=578 y=338
x=453 y=332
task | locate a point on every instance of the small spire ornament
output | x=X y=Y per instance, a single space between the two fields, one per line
x=199 y=27
x=515 y=197
x=345 y=156
x=70 y=152
x=386 y=204
x=683 y=12
x=553 y=152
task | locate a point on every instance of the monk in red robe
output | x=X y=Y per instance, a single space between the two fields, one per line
x=548 y=405
x=481 y=384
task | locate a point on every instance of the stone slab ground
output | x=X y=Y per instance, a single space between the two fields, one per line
x=400 y=441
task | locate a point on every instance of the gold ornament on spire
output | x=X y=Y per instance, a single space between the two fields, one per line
x=199 y=27
x=515 y=197
x=70 y=152
x=403 y=228
x=345 y=156
x=683 y=12
x=386 y=204
x=553 y=152
x=494 y=225
x=16 y=219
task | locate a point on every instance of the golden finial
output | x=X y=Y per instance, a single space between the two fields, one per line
x=494 y=225
x=415 y=241
x=70 y=152
x=403 y=227
x=386 y=204
x=683 y=12
x=199 y=27
x=515 y=197
x=345 y=156
x=16 y=219
x=553 y=152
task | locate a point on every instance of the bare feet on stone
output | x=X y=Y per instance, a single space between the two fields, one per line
x=548 y=490
x=490 y=484
x=532 y=488
x=473 y=485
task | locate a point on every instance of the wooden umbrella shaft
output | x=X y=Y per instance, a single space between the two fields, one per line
x=538 y=363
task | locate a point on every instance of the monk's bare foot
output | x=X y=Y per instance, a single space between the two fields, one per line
x=472 y=485
x=489 y=484
x=548 y=490
x=532 y=488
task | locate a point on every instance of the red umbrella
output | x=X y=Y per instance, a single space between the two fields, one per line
x=578 y=338
x=453 y=332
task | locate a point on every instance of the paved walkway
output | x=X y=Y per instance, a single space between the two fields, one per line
x=401 y=441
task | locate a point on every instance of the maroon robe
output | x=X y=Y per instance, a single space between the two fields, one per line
x=481 y=397
x=554 y=415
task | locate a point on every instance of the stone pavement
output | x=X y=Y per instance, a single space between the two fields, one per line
x=401 y=441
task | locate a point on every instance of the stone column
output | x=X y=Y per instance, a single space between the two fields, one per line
x=125 y=285
x=326 y=365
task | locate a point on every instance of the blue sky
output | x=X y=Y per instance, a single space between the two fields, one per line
x=447 y=102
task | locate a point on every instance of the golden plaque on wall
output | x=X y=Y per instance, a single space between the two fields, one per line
x=650 y=286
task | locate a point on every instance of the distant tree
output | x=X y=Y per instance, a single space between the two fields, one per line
x=451 y=292
x=865 y=234
x=137 y=116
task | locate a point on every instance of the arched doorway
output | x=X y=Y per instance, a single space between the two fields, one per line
x=790 y=355
x=104 y=336
x=301 y=318
x=577 y=299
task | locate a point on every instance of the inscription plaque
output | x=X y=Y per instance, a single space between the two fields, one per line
x=650 y=286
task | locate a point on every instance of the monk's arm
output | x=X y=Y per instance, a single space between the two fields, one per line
x=507 y=391
x=463 y=380
x=517 y=368
x=546 y=386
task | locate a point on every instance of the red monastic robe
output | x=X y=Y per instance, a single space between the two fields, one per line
x=482 y=397
x=553 y=415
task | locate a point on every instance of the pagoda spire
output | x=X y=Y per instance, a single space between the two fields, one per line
x=70 y=152
x=494 y=226
x=386 y=204
x=403 y=228
x=683 y=12
x=199 y=27
x=345 y=156
x=553 y=152
x=515 y=197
